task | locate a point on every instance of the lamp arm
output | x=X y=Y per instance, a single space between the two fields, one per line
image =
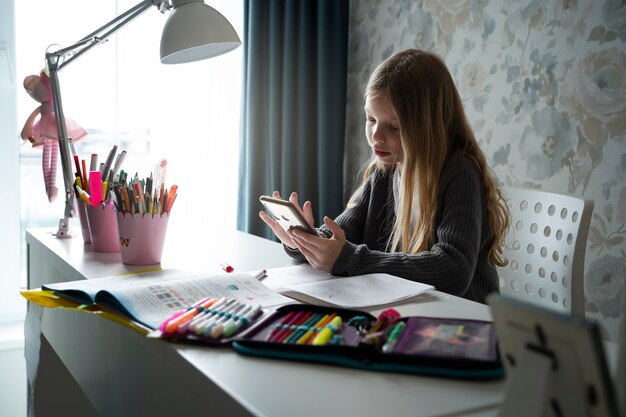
x=55 y=61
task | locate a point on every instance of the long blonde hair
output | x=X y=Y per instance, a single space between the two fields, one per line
x=433 y=127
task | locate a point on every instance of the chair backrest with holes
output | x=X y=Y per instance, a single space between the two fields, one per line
x=545 y=247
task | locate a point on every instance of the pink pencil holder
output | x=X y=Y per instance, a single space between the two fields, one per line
x=142 y=237
x=103 y=228
x=84 y=223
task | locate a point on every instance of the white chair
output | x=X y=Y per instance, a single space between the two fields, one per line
x=545 y=247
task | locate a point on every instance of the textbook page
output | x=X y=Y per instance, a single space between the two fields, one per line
x=150 y=298
x=306 y=284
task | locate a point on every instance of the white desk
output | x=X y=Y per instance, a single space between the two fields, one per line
x=106 y=369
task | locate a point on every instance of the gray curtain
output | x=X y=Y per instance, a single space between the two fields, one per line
x=294 y=97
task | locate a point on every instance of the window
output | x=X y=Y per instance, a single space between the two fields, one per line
x=122 y=95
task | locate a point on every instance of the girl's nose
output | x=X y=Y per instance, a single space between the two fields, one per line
x=377 y=137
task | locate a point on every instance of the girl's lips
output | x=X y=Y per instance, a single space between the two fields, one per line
x=380 y=153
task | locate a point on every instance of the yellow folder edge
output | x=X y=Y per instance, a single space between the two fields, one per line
x=49 y=299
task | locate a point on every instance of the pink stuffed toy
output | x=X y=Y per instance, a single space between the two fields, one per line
x=43 y=132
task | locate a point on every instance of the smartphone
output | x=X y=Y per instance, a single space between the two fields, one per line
x=286 y=214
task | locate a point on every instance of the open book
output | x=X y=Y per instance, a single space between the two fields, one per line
x=151 y=297
x=306 y=284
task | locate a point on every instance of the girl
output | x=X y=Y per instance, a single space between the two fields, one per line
x=428 y=209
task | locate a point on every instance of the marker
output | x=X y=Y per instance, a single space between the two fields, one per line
x=204 y=325
x=393 y=337
x=292 y=329
x=286 y=325
x=260 y=275
x=242 y=322
x=202 y=316
x=278 y=326
x=226 y=267
x=95 y=183
x=218 y=329
x=221 y=318
x=320 y=323
x=181 y=312
x=93 y=165
x=297 y=334
x=173 y=324
x=324 y=336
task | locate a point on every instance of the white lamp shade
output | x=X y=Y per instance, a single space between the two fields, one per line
x=196 y=31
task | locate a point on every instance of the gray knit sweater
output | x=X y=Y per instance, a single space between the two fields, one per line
x=456 y=263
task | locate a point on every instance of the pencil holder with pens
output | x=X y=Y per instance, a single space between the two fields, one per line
x=103 y=227
x=142 y=237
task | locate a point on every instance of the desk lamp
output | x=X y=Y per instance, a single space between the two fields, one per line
x=193 y=31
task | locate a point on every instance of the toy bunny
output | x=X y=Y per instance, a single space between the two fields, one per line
x=43 y=132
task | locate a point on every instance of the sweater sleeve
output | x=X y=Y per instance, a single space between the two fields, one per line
x=450 y=263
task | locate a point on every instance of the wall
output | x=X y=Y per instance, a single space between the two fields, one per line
x=543 y=83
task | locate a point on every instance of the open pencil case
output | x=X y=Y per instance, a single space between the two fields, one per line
x=443 y=347
x=241 y=324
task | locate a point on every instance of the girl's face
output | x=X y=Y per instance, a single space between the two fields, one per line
x=382 y=130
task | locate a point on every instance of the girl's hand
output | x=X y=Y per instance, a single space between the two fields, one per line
x=322 y=253
x=306 y=211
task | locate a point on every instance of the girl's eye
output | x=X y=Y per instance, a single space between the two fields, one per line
x=395 y=128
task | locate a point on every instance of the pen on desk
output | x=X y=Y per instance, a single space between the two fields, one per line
x=393 y=337
x=226 y=267
x=260 y=275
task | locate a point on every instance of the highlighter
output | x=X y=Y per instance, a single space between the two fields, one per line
x=326 y=333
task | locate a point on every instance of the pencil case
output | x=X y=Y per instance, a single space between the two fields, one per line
x=433 y=346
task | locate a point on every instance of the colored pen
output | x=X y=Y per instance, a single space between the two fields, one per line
x=324 y=336
x=181 y=312
x=93 y=165
x=175 y=323
x=242 y=321
x=277 y=327
x=220 y=318
x=304 y=337
x=190 y=325
x=218 y=329
x=95 y=181
x=208 y=321
x=297 y=334
x=292 y=329
x=118 y=164
x=109 y=161
x=393 y=337
x=284 y=328
x=320 y=326
x=226 y=267
x=84 y=174
x=260 y=275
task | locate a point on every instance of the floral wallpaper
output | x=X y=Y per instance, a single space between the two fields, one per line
x=544 y=86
